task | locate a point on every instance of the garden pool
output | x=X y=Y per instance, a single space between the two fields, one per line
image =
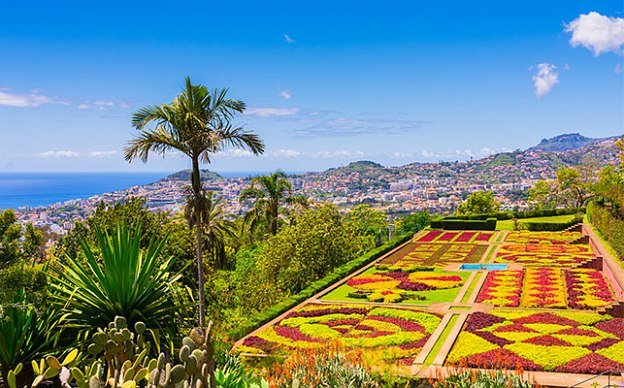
x=489 y=267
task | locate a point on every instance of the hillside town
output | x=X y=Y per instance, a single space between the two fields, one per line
x=437 y=187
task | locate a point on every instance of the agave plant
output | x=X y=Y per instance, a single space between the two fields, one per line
x=121 y=279
x=25 y=333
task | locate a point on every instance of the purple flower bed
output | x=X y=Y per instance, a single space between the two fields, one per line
x=414 y=286
x=294 y=334
x=321 y=312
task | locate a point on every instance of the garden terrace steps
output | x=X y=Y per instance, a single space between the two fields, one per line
x=615 y=270
x=574 y=228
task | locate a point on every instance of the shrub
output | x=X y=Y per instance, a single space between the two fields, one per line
x=123 y=280
x=324 y=367
x=453 y=224
x=550 y=226
x=610 y=227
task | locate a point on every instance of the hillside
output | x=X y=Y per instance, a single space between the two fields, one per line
x=185 y=175
x=566 y=142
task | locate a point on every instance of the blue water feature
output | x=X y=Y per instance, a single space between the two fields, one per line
x=488 y=267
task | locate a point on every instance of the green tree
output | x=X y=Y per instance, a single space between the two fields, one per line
x=543 y=195
x=364 y=220
x=574 y=185
x=298 y=254
x=217 y=227
x=10 y=234
x=198 y=123
x=480 y=202
x=414 y=222
x=269 y=192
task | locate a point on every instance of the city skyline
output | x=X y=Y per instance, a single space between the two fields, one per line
x=324 y=85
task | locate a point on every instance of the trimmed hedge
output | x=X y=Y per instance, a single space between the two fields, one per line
x=451 y=224
x=511 y=214
x=316 y=287
x=549 y=226
x=611 y=228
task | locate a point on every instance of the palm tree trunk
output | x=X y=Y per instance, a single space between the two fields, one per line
x=196 y=185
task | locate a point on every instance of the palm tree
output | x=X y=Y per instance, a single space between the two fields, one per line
x=268 y=191
x=216 y=226
x=198 y=123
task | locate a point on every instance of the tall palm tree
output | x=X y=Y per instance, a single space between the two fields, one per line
x=198 y=123
x=268 y=191
x=216 y=226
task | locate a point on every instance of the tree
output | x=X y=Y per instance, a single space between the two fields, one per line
x=198 y=123
x=413 y=222
x=268 y=192
x=364 y=220
x=542 y=194
x=574 y=184
x=480 y=202
x=217 y=228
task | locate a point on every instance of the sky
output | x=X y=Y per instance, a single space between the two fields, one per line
x=325 y=82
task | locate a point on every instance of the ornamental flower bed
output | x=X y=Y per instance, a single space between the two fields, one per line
x=433 y=255
x=392 y=287
x=502 y=288
x=387 y=334
x=548 y=255
x=441 y=236
x=544 y=287
x=527 y=237
x=547 y=288
x=587 y=289
x=570 y=342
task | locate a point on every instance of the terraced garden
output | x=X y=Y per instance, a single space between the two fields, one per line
x=547 y=303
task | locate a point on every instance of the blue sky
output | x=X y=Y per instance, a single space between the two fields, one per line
x=325 y=82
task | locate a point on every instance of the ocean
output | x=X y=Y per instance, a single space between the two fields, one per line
x=40 y=189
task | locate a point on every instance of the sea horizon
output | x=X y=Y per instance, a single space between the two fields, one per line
x=34 y=189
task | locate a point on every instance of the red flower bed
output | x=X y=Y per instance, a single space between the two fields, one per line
x=294 y=334
x=448 y=236
x=465 y=237
x=321 y=312
x=591 y=364
x=547 y=340
x=614 y=326
x=484 y=237
x=501 y=359
x=480 y=320
x=430 y=236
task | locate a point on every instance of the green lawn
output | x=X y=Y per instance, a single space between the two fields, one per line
x=445 y=295
x=438 y=345
x=509 y=224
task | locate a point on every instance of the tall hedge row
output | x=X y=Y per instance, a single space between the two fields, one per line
x=610 y=227
x=508 y=215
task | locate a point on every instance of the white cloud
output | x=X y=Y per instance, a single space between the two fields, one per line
x=618 y=68
x=597 y=33
x=271 y=112
x=546 y=78
x=285 y=153
x=74 y=154
x=401 y=155
x=101 y=154
x=235 y=153
x=28 y=100
x=288 y=39
x=102 y=105
x=59 y=154
x=285 y=94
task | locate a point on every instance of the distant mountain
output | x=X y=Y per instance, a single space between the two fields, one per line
x=566 y=142
x=362 y=164
x=185 y=175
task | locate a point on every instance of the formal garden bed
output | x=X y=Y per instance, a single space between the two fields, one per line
x=548 y=287
x=559 y=255
x=384 y=334
x=527 y=237
x=422 y=286
x=455 y=236
x=431 y=254
x=568 y=342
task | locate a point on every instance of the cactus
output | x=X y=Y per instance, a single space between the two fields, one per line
x=122 y=361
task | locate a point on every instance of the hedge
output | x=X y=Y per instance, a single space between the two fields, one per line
x=451 y=224
x=508 y=215
x=549 y=226
x=610 y=227
x=316 y=287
